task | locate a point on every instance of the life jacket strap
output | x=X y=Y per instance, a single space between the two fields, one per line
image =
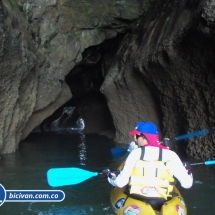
x=160 y=154
x=143 y=153
x=173 y=182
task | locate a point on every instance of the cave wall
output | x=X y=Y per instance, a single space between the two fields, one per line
x=17 y=78
x=162 y=70
x=41 y=42
x=171 y=53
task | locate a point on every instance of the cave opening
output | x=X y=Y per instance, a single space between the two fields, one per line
x=85 y=81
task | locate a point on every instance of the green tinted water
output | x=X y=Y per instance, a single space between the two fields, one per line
x=26 y=170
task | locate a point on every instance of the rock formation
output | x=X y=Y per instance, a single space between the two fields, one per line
x=68 y=122
x=149 y=61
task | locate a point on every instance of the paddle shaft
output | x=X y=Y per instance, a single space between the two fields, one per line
x=193 y=134
x=119 y=151
x=70 y=176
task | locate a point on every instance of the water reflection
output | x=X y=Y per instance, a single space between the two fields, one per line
x=58 y=211
x=82 y=150
x=42 y=151
x=89 y=210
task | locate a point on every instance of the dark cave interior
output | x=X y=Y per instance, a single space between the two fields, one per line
x=85 y=80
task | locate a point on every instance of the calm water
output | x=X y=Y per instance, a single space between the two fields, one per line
x=26 y=170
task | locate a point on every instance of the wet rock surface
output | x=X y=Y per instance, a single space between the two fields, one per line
x=149 y=60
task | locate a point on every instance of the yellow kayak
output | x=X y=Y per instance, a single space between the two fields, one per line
x=126 y=205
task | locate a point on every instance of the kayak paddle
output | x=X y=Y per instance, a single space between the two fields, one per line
x=70 y=176
x=205 y=163
x=119 y=151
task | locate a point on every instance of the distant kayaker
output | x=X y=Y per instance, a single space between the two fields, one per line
x=149 y=169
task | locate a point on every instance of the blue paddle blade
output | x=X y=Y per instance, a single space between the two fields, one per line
x=209 y=162
x=193 y=134
x=118 y=152
x=67 y=176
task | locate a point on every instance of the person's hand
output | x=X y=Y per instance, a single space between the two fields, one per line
x=187 y=167
x=132 y=146
x=109 y=174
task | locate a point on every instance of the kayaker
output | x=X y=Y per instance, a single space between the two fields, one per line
x=149 y=169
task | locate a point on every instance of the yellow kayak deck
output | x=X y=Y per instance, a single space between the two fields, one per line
x=125 y=205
